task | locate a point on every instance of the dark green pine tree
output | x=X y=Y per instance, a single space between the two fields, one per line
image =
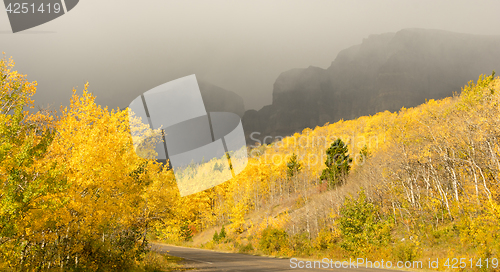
x=337 y=164
x=216 y=237
x=222 y=234
x=364 y=154
x=293 y=166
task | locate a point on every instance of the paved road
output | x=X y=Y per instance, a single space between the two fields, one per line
x=207 y=260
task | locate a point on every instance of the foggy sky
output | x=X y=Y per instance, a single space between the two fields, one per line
x=124 y=48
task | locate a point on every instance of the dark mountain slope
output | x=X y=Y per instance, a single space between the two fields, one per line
x=385 y=72
x=218 y=99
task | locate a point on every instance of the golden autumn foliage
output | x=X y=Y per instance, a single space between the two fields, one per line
x=426 y=170
x=29 y=178
x=423 y=182
x=74 y=193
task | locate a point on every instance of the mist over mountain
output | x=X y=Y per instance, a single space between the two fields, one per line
x=217 y=99
x=384 y=72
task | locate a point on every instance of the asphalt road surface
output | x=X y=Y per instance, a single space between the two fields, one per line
x=207 y=260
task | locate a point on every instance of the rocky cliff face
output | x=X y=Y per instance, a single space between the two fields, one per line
x=384 y=72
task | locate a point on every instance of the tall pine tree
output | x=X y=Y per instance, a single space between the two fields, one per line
x=337 y=164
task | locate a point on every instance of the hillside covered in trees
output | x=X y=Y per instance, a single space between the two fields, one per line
x=410 y=185
x=421 y=183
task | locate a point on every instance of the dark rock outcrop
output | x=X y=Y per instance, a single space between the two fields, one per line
x=384 y=72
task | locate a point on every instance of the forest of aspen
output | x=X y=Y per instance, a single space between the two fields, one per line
x=411 y=185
